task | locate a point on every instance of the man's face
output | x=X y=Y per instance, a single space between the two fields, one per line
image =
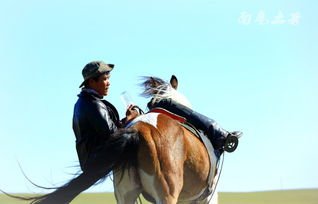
x=101 y=85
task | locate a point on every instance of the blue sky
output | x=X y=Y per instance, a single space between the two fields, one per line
x=261 y=79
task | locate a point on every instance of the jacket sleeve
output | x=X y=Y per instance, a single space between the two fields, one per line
x=98 y=117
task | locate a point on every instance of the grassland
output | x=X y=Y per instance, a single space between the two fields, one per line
x=271 y=197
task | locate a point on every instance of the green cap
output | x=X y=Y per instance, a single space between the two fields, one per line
x=94 y=69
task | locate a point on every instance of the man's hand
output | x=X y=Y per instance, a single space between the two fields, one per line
x=131 y=113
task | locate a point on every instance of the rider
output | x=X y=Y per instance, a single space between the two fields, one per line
x=220 y=138
x=95 y=119
x=95 y=124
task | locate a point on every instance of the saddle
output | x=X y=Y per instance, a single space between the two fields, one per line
x=206 y=142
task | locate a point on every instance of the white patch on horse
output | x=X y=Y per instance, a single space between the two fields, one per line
x=126 y=186
x=150 y=118
x=148 y=182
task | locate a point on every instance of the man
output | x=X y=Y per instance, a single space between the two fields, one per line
x=95 y=119
x=94 y=122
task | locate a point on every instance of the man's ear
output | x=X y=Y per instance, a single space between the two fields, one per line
x=174 y=82
x=91 y=82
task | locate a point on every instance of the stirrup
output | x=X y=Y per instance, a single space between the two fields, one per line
x=232 y=141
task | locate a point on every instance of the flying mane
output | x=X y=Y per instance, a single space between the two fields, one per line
x=159 y=89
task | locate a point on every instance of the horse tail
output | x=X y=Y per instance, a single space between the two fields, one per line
x=119 y=153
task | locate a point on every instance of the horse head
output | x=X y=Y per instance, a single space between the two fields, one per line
x=158 y=89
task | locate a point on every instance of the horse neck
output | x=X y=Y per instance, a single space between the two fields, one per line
x=178 y=97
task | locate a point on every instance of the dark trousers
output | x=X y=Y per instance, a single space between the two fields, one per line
x=216 y=134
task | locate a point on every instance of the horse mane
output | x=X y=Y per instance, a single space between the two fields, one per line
x=159 y=89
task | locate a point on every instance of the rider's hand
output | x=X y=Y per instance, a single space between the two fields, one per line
x=131 y=113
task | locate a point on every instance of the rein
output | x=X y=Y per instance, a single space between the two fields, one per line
x=138 y=109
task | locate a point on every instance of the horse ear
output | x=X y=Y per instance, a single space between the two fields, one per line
x=174 y=82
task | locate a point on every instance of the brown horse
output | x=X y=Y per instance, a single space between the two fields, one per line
x=155 y=156
x=173 y=164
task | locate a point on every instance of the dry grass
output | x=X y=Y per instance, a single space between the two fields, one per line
x=272 y=197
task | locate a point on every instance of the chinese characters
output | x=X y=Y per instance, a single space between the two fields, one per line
x=261 y=18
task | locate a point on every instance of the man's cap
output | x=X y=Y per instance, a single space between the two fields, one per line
x=94 y=69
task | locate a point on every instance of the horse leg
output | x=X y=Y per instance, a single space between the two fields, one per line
x=211 y=199
x=126 y=186
x=163 y=189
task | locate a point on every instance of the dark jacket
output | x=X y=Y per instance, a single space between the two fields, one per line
x=94 y=121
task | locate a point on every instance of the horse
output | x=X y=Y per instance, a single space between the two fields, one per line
x=173 y=164
x=154 y=156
